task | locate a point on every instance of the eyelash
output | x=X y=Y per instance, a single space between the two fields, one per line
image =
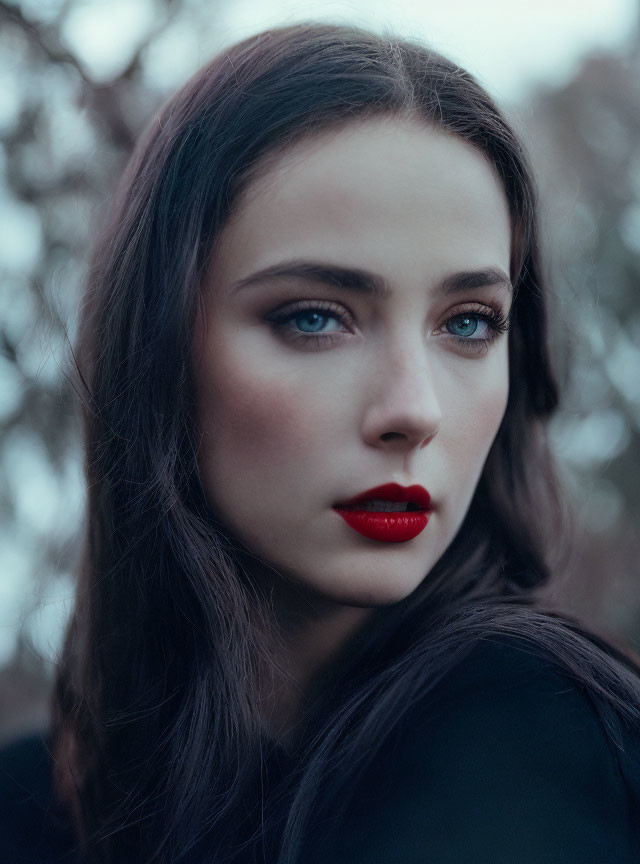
x=496 y=321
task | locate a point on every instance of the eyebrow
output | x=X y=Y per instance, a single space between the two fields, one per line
x=363 y=282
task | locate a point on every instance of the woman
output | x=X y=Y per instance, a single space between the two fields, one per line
x=316 y=382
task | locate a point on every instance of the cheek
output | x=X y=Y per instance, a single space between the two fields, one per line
x=476 y=402
x=476 y=417
x=482 y=423
x=259 y=422
x=474 y=425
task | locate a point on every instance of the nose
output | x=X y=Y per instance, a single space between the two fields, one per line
x=405 y=412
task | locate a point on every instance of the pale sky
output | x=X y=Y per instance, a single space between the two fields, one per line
x=506 y=44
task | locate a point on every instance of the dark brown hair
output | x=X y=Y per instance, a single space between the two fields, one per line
x=155 y=715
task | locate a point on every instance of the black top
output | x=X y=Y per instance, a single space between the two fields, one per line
x=507 y=762
x=32 y=827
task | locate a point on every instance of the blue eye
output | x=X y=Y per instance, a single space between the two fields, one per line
x=466 y=324
x=315 y=325
x=311 y=321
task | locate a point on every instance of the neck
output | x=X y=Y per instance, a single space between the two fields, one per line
x=310 y=631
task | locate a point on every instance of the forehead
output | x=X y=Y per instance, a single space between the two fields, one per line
x=368 y=185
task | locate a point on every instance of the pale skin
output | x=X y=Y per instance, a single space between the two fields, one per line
x=354 y=390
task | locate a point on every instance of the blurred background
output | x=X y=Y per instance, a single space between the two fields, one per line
x=78 y=81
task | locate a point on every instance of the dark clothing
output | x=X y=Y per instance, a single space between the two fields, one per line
x=32 y=827
x=506 y=762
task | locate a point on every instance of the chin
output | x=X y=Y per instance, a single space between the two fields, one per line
x=383 y=589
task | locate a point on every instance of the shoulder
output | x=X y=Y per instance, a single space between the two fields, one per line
x=32 y=826
x=507 y=760
x=510 y=695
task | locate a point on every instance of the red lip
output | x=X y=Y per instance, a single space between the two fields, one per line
x=393 y=492
x=388 y=527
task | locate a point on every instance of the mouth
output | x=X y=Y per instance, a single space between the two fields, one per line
x=389 y=513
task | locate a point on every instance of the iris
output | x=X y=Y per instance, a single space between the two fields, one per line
x=464 y=321
x=317 y=321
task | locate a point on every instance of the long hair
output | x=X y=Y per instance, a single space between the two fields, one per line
x=155 y=721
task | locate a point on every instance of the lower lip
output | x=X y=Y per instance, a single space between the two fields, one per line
x=385 y=527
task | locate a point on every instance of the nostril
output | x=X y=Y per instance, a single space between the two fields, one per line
x=391 y=436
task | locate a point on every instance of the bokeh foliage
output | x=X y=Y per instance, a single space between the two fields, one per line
x=67 y=123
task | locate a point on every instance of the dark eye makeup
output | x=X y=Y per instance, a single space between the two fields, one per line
x=303 y=322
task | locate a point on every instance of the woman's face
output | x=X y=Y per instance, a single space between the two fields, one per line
x=373 y=360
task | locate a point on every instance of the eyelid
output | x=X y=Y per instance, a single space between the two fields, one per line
x=480 y=308
x=293 y=305
x=476 y=306
x=341 y=310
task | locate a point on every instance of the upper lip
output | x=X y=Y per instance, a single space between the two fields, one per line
x=393 y=492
